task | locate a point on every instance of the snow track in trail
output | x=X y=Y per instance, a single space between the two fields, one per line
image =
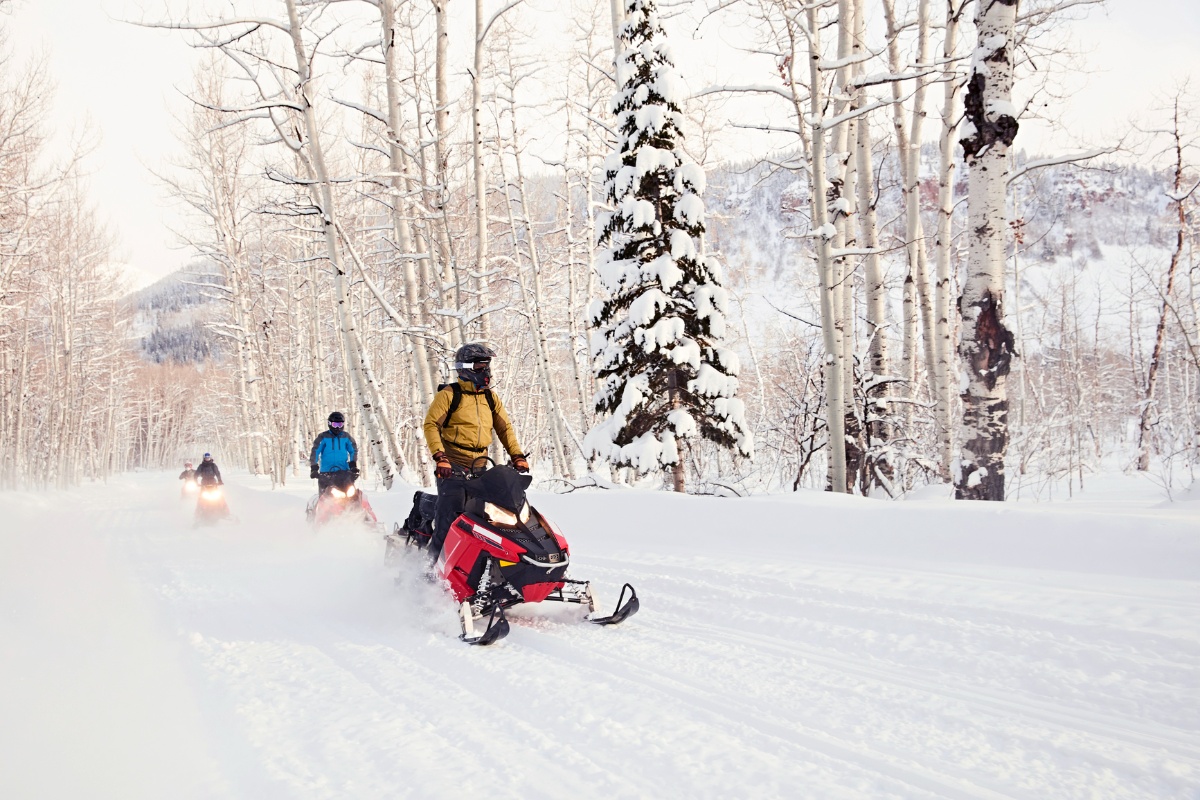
x=912 y=663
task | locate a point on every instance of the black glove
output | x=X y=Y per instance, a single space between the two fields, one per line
x=354 y=470
x=442 y=470
x=312 y=471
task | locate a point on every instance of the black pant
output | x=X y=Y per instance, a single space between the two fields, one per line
x=452 y=496
x=340 y=478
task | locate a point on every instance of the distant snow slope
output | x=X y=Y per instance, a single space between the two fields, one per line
x=807 y=646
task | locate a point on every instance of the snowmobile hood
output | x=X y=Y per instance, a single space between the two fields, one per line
x=501 y=485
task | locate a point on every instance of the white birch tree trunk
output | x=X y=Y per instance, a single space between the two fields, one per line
x=989 y=127
x=400 y=223
x=943 y=243
x=825 y=232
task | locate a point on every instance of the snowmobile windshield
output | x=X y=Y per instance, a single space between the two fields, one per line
x=503 y=486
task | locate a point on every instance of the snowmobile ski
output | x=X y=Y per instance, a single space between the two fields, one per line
x=497 y=626
x=625 y=608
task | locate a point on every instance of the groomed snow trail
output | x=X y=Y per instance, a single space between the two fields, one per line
x=795 y=647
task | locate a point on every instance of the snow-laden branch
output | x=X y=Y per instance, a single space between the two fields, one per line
x=1070 y=158
x=217 y=24
x=829 y=123
x=492 y=20
x=370 y=112
x=761 y=88
x=876 y=80
x=1179 y=197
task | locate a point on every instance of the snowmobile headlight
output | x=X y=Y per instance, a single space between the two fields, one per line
x=525 y=513
x=350 y=491
x=336 y=492
x=500 y=516
x=211 y=494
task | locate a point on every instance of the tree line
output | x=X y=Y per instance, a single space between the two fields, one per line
x=363 y=203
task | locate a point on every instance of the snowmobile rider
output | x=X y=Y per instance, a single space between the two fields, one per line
x=458 y=430
x=188 y=476
x=207 y=473
x=333 y=451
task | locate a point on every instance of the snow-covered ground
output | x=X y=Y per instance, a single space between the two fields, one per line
x=807 y=646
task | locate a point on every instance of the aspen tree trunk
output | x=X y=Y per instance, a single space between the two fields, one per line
x=617 y=11
x=909 y=294
x=987 y=345
x=441 y=115
x=420 y=356
x=316 y=347
x=943 y=349
x=876 y=408
x=678 y=475
x=824 y=232
x=574 y=311
x=843 y=195
x=916 y=229
x=481 y=222
x=537 y=325
x=1160 y=333
x=357 y=363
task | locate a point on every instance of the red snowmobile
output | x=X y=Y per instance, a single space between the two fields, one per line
x=500 y=552
x=340 y=499
x=211 y=506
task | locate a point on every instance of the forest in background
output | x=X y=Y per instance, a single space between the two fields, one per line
x=335 y=160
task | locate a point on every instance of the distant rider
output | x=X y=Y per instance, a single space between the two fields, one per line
x=207 y=473
x=333 y=451
x=458 y=430
x=188 y=476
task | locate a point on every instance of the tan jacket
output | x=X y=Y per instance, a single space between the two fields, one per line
x=469 y=431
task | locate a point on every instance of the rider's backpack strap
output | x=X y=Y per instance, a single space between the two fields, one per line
x=457 y=401
x=454 y=403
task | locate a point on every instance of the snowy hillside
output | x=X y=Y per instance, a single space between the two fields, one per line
x=811 y=646
x=171 y=315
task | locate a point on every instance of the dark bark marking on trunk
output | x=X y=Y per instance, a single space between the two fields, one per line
x=992 y=354
x=987 y=133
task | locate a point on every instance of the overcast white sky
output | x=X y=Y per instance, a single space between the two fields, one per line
x=123 y=79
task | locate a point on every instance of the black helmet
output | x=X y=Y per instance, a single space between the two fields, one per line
x=474 y=363
x=337 y=420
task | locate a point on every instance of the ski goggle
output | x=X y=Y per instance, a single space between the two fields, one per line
x=478 y=366
x=337 y=424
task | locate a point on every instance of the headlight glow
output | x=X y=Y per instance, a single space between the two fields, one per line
x=499 y=515
x=211 y=494
x=350 y=492
x=336 y=492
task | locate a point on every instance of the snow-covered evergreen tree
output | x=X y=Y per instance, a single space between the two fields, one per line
x=663 y=372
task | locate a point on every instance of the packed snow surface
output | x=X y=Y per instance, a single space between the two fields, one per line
x=805 y=646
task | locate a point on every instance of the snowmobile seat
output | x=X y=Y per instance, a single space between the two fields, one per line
x=420 y=518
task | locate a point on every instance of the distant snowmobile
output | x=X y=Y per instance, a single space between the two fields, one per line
x=211 y=506
x=500 y=552
x=340 y=499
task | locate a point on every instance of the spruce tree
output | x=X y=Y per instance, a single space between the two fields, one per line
x=663 y=372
